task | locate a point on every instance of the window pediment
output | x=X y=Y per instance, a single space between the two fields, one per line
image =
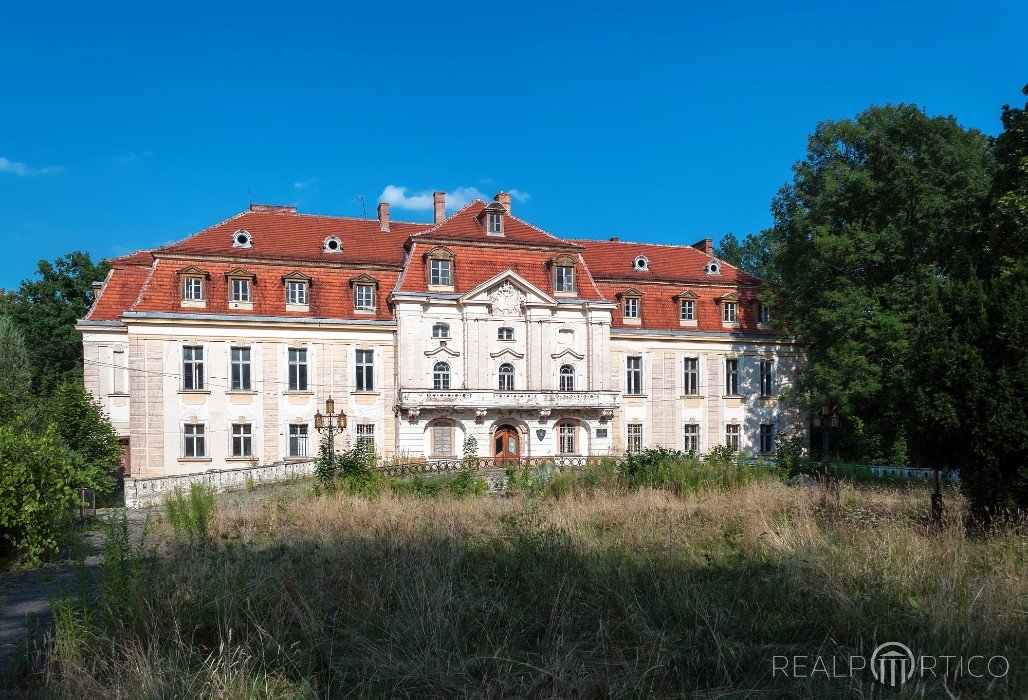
x=686 y=296
x=297 y=276
x=563 y=260
x=439 y=253
x=363 y=279
x=632 y=293
x=729 y=297
x=193 y=271
x=240 y=274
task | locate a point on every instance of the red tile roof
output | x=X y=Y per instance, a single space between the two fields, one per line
x=120 y=289
x=612 y=260
x=659 y=308
x=467 y=226
x=285 y=235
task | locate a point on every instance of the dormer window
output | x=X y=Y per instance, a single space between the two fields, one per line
x=440 y=331
x=192 y=289
x=730 y=314
x=641 y=263
x=495 y=224
x=333 y=245
x=564 y=268
x=297 y=287
x=687 y=308
x=631 y=306
x=712 y=268
x=242 y=239
x=364 y=288
x=240 y=290
x=439 y=264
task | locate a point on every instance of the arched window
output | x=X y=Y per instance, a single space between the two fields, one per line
x=440 y=330
x=506 y=377
x=441 y=376
x=567 y=378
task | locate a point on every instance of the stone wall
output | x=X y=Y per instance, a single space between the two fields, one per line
x=149 y=491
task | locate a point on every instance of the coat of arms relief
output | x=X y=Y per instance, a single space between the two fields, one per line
x=507 y=300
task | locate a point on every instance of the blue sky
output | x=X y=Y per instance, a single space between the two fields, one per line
x=124 y=127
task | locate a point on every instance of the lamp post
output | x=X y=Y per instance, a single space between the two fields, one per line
x=329 y=424
x=826 y=420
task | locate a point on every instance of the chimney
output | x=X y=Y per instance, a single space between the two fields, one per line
x=383 y=216
x=440 y=206
x=614 y=239
x=706 y=245
x=504 y=199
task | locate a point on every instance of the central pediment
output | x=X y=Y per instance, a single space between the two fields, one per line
x=508 y=294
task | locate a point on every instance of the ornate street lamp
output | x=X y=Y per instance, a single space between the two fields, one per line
x=329 y=424
x=826 y=420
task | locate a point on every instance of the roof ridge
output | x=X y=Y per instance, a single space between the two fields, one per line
x=348 y=218
x=146 y=283
x=454 y=215
x=544 y=232
x=589 y=274
x=200 y=233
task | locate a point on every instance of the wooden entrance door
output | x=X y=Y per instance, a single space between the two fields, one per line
x=506 y=444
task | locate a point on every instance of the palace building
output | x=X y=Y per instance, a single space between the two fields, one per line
x=218 y=350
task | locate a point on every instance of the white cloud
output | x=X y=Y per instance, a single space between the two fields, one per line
x=423 y=201
x=10 y=166
x=303 y=184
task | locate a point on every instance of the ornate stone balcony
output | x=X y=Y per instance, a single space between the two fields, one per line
x=413 y=402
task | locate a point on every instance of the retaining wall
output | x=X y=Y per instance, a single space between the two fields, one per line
x=143 y=492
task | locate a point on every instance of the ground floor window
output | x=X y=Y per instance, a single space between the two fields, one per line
x=692 y=438
x=194 y=440
x=442 y=440
x=732 y=437
x=298 y=442
x=242 y=440
x=767 y=437
x=635 y=437
x=567 y=433
x=366 y=434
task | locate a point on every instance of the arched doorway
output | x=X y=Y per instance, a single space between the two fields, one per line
x=506 y=443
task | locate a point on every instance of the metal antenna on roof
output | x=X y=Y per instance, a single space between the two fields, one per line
x=249 y=196
x=364 y=209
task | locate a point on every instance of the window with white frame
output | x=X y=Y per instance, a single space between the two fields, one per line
x=688 y=310
x=441 y=375
x=633 y=375
x=240 y=369
x=763 y=313
x=366 y=435
x=506 y=377
x=567 y=378
x=505 y=334
x=192 y=289
x=242 y=440
x=299 y=443
x=692 y=438
x=567 y=438
x=297 y=369
x=442 y=439
x=364 y=297
x=240 y=289
x=365 y=367
x=296 y=292
x=732 y=377
x=767 y=377
x=565 y=281
x=692 y=376
x=192 y=368
x=440 y=272
x=729 y=312
x=440 y=331
x=495 y=223
x=630 y=307
x=767 y=438
x=635 y=438
x=194 y=440
x=732 y=436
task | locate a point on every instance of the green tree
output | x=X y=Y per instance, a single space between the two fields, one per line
x=15 y=372
x=85 y=429
x=751 y=254
x=46 y=310
x=882 y=207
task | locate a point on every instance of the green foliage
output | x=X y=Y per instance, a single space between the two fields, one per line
x=351 y=470
x=751 y=254
x=46 y=310
x=190 y=514
x=15 y=371
x=38 y=478
x=83 y=425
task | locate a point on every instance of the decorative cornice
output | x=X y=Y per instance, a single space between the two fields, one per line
x=507 y=351
x=567 y=351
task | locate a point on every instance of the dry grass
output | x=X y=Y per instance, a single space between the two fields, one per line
x=594 y=594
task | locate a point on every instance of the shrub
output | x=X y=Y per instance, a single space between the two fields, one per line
x=190 y=515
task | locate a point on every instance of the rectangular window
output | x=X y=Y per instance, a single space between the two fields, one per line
x=567 y=438
x=767 y=386
x=298 y=443
x=194 y=442
x=732 y=437
x=365 y=370
x=240 y=290
x=366 y=434
x=440 y=273
x=296 y=292
x=692 y=376
x=729 y=312
x=495 y=223
x=565 y=278
x=364 y=297
x=240 y=360
x=297 y=369
x=634 y=375
x=192 y=368
x=192 y=289
x=242 y=440
x=630 y=307
x=692 y=438
x=767 y=438
x=635 y=438
x=442 y=440
x=764 y=313
x=688 y=310
x=505 y=333
x=118 y=372
x=731 y=377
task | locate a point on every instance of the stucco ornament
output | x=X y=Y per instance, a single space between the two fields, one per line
x=507 y=300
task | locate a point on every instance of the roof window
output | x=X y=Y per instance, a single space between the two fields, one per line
x=333 y=245
x=242 y=239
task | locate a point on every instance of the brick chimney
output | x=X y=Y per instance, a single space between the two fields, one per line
x=706 y=245
x=504 y=199
x=440 y=206
x=383 y=216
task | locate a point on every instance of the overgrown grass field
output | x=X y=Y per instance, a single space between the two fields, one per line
x=585 y=586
